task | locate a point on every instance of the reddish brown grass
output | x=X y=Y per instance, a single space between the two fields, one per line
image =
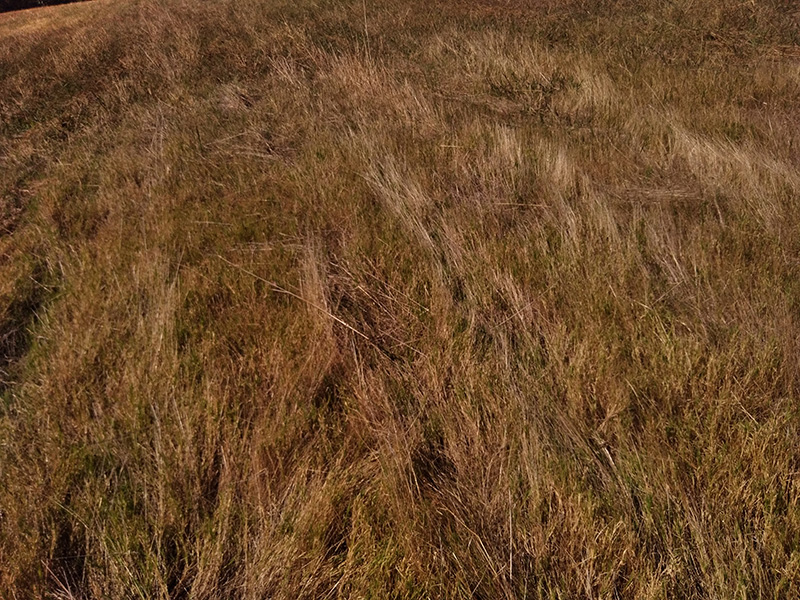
x=400 y=299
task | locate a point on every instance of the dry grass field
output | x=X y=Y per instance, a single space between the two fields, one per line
x=400 y=299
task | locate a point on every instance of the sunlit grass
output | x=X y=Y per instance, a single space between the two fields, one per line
x=477 y=299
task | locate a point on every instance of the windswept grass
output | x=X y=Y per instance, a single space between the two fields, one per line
x=400 y=299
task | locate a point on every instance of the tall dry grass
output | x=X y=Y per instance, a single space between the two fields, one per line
x=400 y=299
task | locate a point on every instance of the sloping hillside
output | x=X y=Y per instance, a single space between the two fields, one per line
x=482 y=299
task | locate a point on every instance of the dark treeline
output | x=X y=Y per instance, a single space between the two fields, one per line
x=7 y=5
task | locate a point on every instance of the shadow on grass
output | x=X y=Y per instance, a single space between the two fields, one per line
x=9 y=5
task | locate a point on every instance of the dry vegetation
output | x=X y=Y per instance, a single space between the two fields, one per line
x=407 y=299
